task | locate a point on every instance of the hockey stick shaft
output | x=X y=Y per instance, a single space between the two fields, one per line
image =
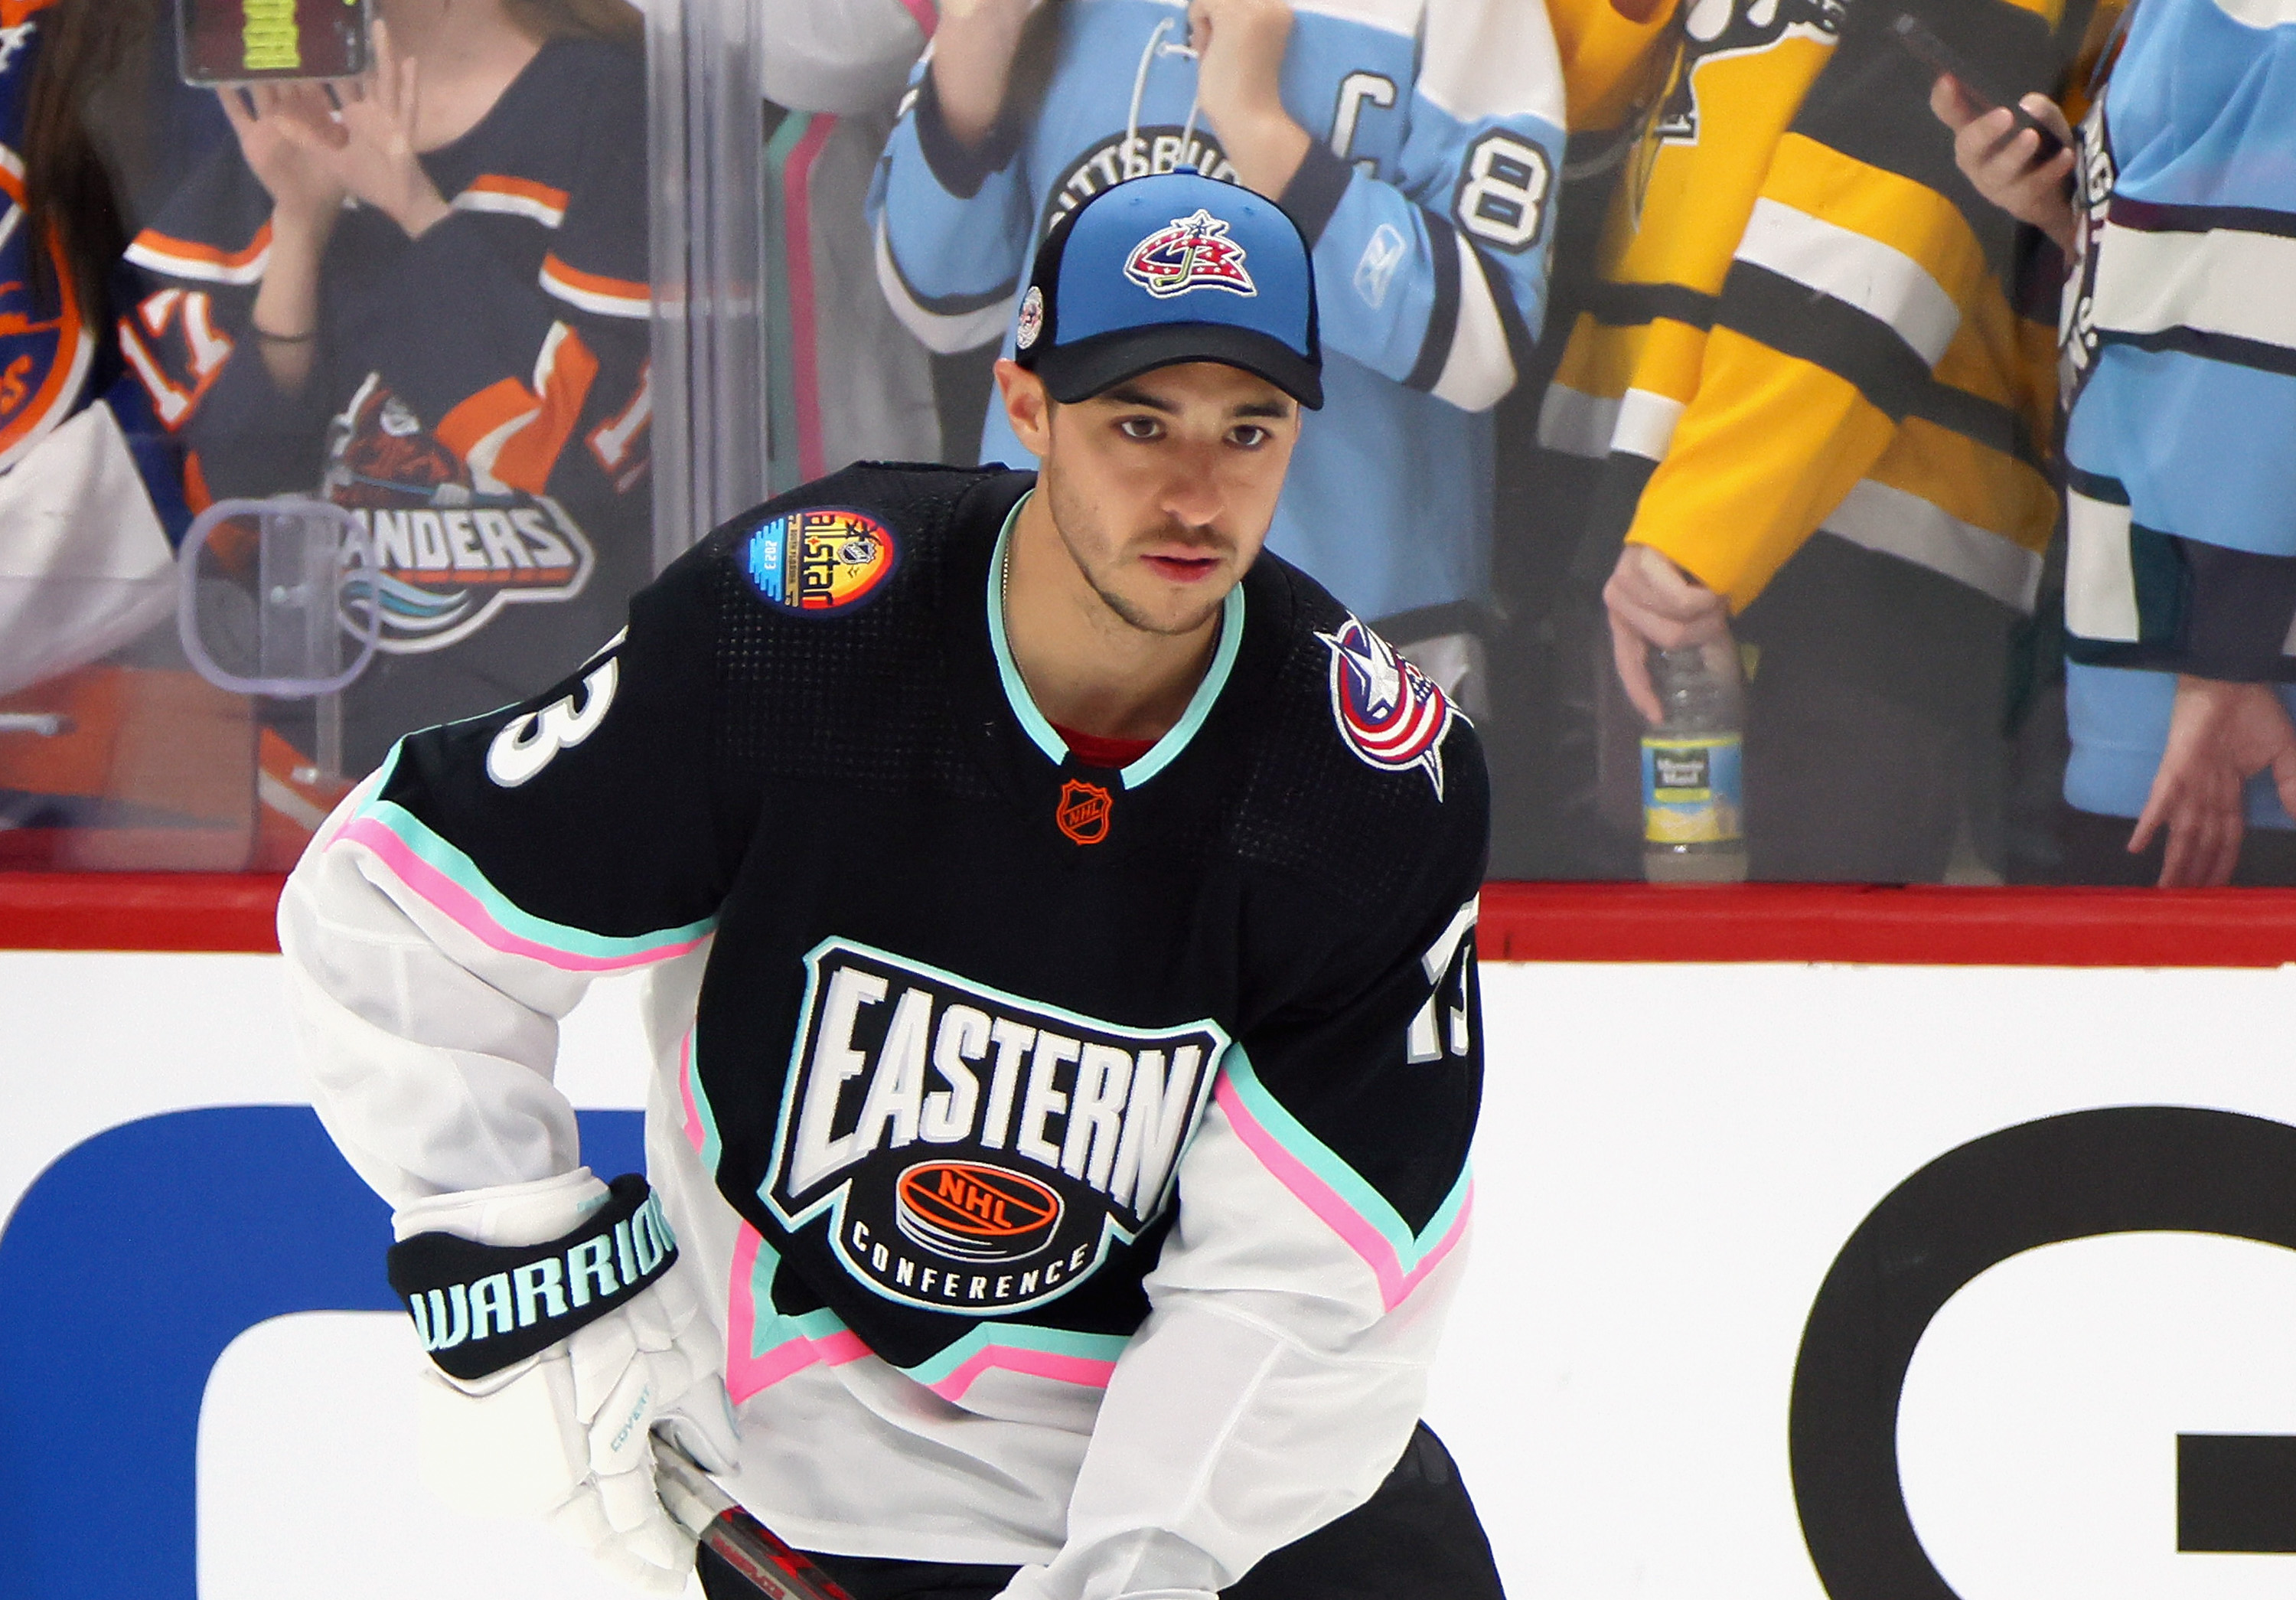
x=745 y=1544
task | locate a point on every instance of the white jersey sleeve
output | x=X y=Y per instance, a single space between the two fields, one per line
x=1298 y=1302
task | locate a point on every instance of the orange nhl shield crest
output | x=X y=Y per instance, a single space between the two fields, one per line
x=1083 y=811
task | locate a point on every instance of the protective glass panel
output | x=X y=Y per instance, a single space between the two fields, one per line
x=325 y=403
x=1690 y=307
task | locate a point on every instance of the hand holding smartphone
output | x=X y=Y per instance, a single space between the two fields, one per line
x=1935 y=54
x=220 y=43
x=2034 y=185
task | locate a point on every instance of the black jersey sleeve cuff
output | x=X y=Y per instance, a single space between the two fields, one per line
x=1314 y=192
x=2239 y=607
x=957 y=167
x=480 y=1307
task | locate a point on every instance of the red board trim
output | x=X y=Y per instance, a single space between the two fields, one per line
x=139 y=911
x=1520 y=922
x=1924 y=925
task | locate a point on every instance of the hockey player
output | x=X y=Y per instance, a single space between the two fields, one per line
x=1416 y=144
x=2179 y=367
x=1063 y=1002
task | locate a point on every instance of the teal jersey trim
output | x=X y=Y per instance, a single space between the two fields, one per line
x=1165 y=750
x=1018 y=1336
x=484 y=910
x=1345 y=1184
x=1162 y=754
x=1008 y=671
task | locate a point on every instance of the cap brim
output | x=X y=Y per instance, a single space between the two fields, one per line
x=1078 y=372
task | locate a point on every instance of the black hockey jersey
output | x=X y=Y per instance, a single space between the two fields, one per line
x=1053 y=1139
x=480 y=398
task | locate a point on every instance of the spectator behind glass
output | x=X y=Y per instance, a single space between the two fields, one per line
x=112 y=752
x=1806 y=415
x=848 y=382
x=2179 y=366
x=84 y=549
x=1416 y=146
x=424 y=295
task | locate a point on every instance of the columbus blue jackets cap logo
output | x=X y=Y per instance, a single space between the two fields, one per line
x=971 y=1150
x=823 y=559
x=1193 y=252
x=1032 y=318
x=1392 y=715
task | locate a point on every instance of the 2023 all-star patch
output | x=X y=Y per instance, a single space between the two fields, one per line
x=973 y=1150
x=823 y=559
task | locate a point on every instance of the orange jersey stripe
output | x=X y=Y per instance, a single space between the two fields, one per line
x=157 y=244
x=523 y=196
x=529 y=456
x=487 y=411
x=595 y=292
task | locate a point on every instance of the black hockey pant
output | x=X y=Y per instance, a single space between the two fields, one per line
x=1416 y=1538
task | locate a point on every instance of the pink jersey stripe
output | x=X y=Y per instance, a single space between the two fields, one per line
x=748 y=1373
x=1395 y=1283
x=926 y=15
x=1042 y=1364
x=462 y=907
x=685 y=1091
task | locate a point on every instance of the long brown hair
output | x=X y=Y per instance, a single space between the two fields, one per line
x=617 y=21
x=71 y=194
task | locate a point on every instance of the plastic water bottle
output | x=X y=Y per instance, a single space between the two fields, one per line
x=1693 y=770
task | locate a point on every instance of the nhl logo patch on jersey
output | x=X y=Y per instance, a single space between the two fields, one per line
x=971 y=1150
x=1084 y=811
x=825 y=559
x=1392 y=715
x=1194 y=253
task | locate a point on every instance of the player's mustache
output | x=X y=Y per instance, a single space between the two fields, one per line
x=1204 y=541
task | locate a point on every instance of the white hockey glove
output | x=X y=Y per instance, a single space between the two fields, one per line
x=562 y=1329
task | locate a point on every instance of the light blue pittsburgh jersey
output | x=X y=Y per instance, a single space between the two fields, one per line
x=2179 y=345
x=1427 y=201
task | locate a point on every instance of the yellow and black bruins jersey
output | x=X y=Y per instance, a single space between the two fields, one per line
x=1800 y=321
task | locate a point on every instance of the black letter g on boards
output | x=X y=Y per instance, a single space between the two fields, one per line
x=2147 y=1168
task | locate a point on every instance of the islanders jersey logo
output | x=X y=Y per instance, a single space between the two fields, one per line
x=823 y=559
x=1194 y=253
x=453 y=547
x=1392 y=715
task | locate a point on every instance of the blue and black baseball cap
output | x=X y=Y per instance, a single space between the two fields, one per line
x=1173 y=267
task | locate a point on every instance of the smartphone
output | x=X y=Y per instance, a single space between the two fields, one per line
x=1939 y=57
x=222 y=42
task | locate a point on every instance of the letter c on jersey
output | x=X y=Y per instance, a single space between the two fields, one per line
x=128 y=1268
x=2144 y=1169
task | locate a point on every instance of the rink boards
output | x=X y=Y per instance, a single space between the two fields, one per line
x=1967 y=1280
